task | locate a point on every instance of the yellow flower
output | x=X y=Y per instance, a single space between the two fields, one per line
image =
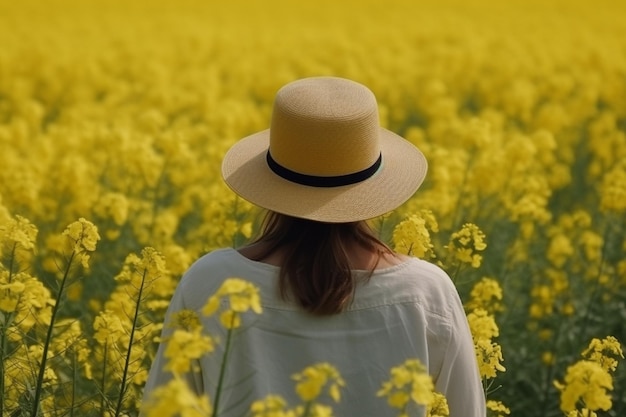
x=588 y=382
x=559 y=250
x=465 y=244
x=114 y=206
x=486 y=294
x=241 y=296
x=108 y=328
x=151 y=263
x=10 y=293
x=398 y=399
x=271 y=406
x=186 y=319
x=84 y=234
x=592 y=244
x=498 y=407
x=408 y=381
x=175 y=399
x=489 y=357
x=543 y=296
x=17 y=243
x=313 y=379
x=526 y=198
x=246 y=229
x=28 y=299
x=183 y=347
x=482 y=325
x=439 y=406
x=178 y=259
x=18 y=231
x=211 y=306
x=422 y=390
x=412 y=235
x=548 y=358
x=147 y=273
x=230 y=319
x=599 y=351
x=613 y=190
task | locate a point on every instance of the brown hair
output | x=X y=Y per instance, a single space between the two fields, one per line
x=316 y=268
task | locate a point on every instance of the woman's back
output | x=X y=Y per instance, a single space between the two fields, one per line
x=409 y=310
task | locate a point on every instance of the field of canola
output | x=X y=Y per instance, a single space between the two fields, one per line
x=114 y=117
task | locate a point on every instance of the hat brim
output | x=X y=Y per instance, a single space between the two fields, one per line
x=403 y=170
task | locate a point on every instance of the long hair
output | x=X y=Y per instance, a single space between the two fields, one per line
x=315 y=269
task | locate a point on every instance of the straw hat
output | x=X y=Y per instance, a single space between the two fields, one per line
x=325 y=156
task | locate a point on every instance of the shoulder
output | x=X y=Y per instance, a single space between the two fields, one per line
x=420 y=275
x=206 y=274
x=416 y=282
x=212 y=261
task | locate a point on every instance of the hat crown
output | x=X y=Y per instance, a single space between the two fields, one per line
x=325 y=126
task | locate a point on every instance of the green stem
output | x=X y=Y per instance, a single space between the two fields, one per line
x=596 y=286
x=74 y=376
x=220 y=379
x=155 y=200
x=550 y=374
x=46 y=346
x=3 y=348
x=307 y=409
x=104 y=372
x=123 y=386
x=11 y=261
x=457 y=217
x=456 y=272
x=410 y=251
x=3 y=339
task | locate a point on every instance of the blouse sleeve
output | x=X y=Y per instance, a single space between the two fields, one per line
x=158 y=376
x=459 y=379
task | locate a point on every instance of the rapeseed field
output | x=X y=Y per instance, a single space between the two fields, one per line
x=114 y=117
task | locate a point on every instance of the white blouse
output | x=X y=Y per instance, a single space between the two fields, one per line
x=406 y=311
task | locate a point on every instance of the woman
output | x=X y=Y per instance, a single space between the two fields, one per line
x=331 y=291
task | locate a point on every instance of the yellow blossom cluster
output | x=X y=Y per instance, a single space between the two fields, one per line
x=484 y=302
x=240 y=295
x=184 y=346
x=186 y=343
x=605 y=352
x=486 y=295
x=466 y=243
x=587 y=383
x=176 y=399
x=613 y=189
x=411 y=384
x=412 y=235
x=497 y=408
x=271 y=406
x=17 y=233
x=313 y=379
x=488 y=352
